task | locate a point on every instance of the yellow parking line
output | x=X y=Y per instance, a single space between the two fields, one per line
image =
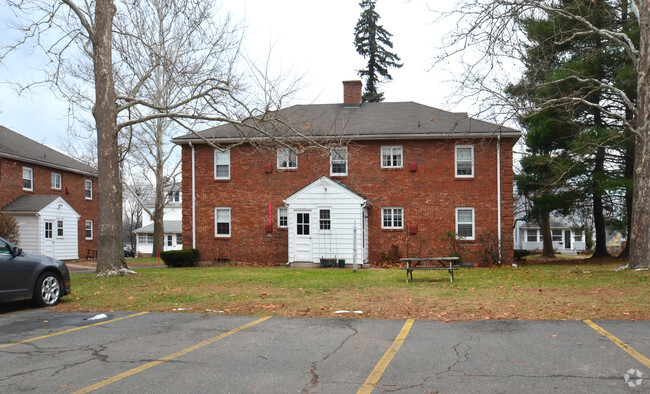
x=70 y=330
x=144 y=367
x=381 y=366
x=644 y=360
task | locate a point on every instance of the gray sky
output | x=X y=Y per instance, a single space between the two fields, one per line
x=309 y=38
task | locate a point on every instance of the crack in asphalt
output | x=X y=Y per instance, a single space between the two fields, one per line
x=313 y=383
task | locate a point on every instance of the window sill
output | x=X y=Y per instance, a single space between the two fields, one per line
x=391 y=168
x=465 y=178
x=287 y=169
x=392 y=230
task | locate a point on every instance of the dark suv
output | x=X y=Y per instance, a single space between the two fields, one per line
x=25 y=276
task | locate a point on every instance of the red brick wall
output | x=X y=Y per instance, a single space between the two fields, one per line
x=428 y=195
x=72 y=190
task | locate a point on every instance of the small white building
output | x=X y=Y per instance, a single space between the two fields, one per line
x=566 y=238
x=327 y=221
x=48 y=225
x=172 y=224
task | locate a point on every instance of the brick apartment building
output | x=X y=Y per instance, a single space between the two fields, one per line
x=392 y=177
x=51 y=195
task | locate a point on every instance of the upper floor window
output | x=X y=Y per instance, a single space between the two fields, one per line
x=392 y=218
x=221 y=164
x=464 y=161
x=465 y=223
x=339 y=161
x=391 y=157
x=89 y=189
x=222 y=222
x=282 y=217
x=287 y=159
x=28 y=178
x=56 y=181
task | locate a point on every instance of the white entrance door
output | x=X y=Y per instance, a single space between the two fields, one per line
x=303 y=236
x=48 y=239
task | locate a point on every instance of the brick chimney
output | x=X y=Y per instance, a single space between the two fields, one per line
x=352 y=93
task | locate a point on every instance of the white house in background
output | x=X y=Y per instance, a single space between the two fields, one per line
x=172 y=224
x=566 y=238
x=341 y=217
x=47 y=225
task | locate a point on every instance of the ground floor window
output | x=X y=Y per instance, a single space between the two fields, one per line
x=222 y=222
x=89 y=229
x=325 y=220
x=392 y=218
x=557 y=235
x=577 y=236
x=531 y=235
x=465 y=223
x=282 y=217
x=145 y=239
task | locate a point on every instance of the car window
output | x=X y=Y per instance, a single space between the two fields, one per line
x=4 y=248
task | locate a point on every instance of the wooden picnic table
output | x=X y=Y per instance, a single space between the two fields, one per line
x=422 y=263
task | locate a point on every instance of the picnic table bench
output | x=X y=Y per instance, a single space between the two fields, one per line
x=443 y=263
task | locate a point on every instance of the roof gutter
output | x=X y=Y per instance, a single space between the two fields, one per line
x=47 y=164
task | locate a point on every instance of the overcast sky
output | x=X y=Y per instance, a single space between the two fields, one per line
x=309 y=38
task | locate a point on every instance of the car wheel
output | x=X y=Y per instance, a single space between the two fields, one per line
x=48 y=290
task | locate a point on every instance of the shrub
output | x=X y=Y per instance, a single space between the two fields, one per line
x=9 y=228
x=490 y=246
x=454 y=244
x=521 y=253
x=180 y=258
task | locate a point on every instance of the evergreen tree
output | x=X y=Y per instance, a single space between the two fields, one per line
x=373 y=42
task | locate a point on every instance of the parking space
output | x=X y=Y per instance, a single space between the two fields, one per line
x=177 y=352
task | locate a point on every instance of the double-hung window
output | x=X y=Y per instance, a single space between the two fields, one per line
x=557 y=235
x=28 y=178
x=282 y=217
x=222 y=222
x=339 y=161
x=89 y=229
x=392 y=218
x=577 y=235
x=391 y=157
x=221 y=164
x=287 y=159
x=56 y=181
x=531 y=235
x=59 y=228
x=464 y=161
x=465 y=223
x=88 y=187
x=325 y=220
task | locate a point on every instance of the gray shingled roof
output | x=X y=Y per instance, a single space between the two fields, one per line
x=18 y=147
x=28 y=203
x=368 y=121
x=170 y=227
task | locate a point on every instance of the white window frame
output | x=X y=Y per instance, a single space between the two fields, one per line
x=324 y=222
x=59 y=228
x=557 y=237
x=56 y=181
x=473 y=223
x=529 y=232
x=392 y=152
x=225 y=158
x=286 y=157
x=216 y=223
x=88 y=191
x=457 y=160
x=89 y=226
x=392 y=225
x=30 y=178
x=283 y=212
x=340 y=159
x=48 y=229
x=577 y=235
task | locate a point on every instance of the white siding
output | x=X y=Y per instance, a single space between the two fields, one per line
x=65 y=247
x=346 y=212
x=146 y=248
x=29 y=235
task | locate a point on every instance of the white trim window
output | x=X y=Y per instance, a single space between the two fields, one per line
x=556 y=235
x=287 y=159
x=88 y=189
x=283 y=217
x=28 y=178
x=221 y=164
x=531 y=235
x=145 y=239
x=464 y=161
x=339 y=161
x=59 y=228
x=221 y=222
x=48 y=230
x=392 y=218
x=325 y=219
x=89 y=229
x=577 y=235
x=392 y=157
x=465 y=223
x=56 y=181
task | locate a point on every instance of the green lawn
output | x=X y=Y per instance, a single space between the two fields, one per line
x=580 y=291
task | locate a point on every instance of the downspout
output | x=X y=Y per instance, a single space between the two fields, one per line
x=499 y=196
x=193 y=201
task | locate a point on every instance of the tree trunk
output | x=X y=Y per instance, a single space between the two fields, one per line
x=600 y=249
x=545 y=226
x=110 y=256
x=639 y=237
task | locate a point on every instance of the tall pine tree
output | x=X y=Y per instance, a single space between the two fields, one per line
x=373 y=42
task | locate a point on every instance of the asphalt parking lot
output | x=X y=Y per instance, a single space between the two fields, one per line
x=41 y=350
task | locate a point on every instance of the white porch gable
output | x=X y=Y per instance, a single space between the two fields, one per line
x=326 y=220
